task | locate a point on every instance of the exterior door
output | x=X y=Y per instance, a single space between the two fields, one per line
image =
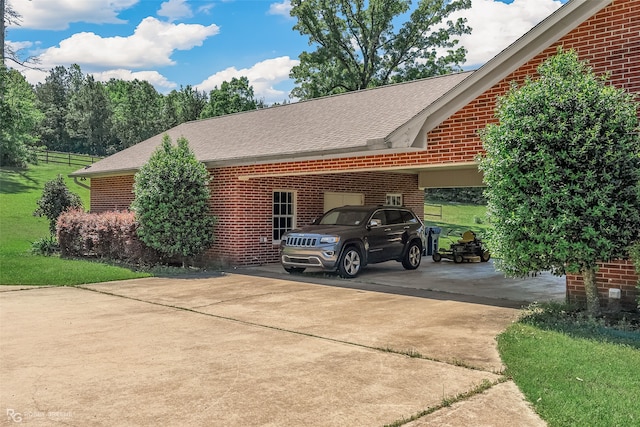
x=335 y=200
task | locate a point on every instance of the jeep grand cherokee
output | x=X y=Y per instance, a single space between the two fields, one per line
x=348 y=238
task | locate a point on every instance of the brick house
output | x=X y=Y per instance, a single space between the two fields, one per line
x=276 y=168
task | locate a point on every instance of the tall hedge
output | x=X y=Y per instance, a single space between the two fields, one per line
x=172 y=202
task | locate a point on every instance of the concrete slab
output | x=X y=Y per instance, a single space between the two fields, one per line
x=235 y=350
x=460 y=281
x=449 y=331
x=504 y=401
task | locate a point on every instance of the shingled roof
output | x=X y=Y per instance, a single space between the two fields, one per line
x=346 y=123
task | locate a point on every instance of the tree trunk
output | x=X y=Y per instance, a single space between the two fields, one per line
x=591 y=289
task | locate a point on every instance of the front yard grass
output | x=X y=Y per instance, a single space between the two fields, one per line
x=19 y=191
x=574 y=381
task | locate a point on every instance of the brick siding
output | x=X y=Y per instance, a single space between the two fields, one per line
x=618 y=274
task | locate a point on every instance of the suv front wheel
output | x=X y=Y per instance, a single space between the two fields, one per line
x=412 y=257
x=350 y=263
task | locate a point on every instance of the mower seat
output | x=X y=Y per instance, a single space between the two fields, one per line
x=467 y=237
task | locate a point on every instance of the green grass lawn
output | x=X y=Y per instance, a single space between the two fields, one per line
x=573 y=381
x=19 y=191
x=456 y=219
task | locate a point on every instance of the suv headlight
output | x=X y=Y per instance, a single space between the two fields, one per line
x=330 y=239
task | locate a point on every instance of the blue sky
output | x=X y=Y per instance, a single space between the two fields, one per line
x=173 y=43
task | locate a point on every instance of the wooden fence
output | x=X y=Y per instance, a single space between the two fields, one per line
x=71 y=159
x=433 y=210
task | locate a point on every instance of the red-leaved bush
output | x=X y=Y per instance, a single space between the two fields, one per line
x=110 y=235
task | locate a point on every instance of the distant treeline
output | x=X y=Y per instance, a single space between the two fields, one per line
x=82 y=115
x=468 y=195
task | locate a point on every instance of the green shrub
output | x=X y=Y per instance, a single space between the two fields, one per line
x=172 y=202
x=46 y=246
x=56 y=199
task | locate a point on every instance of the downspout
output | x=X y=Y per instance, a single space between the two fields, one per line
x=75 y=180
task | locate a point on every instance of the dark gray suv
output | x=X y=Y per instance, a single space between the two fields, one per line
x=348 y=238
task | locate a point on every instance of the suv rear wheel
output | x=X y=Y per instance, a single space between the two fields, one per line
x=412 y=257
x=350 y=263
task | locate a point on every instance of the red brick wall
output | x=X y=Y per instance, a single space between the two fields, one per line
x=619 y=274
x=111 y=194
x=244 y=211
x=243 y=208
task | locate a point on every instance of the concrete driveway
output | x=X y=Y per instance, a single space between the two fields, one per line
x=242 y=350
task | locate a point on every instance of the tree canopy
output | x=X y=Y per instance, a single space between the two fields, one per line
x=232 y=97
x=358 y=47
x=19 y=118
x=562 y=169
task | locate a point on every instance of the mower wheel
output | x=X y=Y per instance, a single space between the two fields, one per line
x=486 y=256
x=457 y=258
x=436 y=257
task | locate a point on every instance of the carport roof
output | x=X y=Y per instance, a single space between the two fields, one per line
x=351 y=122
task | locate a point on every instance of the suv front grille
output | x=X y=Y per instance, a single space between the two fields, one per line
x=302 y=242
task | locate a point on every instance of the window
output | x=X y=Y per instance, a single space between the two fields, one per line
x=283 y=213
x=394 y=200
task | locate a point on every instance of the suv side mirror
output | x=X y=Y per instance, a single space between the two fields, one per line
x=375 y=223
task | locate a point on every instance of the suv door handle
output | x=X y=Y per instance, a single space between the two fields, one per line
x=387 y=229
x=406 y=227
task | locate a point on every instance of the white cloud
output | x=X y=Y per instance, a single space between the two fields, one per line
x=263 y=76
x=175 y=9
x=57 y=14
x=16 y=46
x=159 y=81
x=151 y=44
x=283 y=8
x=495 y=25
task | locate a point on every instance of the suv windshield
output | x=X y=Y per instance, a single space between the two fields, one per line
x=344 y=217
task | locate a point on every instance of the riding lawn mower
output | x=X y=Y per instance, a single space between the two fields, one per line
x=469 y=249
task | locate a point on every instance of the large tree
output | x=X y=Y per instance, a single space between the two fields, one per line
x=53 y=99
x=19 y=118
x=137 y=111
x=562 y=169
x=232 y=97
x=358 y=47
x=88 y=120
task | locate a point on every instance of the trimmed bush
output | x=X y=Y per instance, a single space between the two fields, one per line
x=110 y=235
x=56 y=198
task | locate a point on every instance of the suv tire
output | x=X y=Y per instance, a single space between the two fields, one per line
x=350 y=263
x=412 y=257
